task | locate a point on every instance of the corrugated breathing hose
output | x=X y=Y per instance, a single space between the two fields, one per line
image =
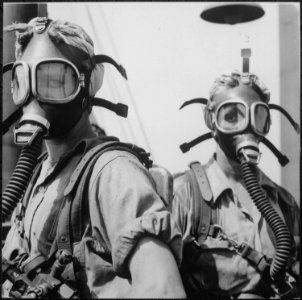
x=282 y=236
x=21 y=176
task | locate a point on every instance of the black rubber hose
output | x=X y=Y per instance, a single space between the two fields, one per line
x=281 y=233
x=21 y=176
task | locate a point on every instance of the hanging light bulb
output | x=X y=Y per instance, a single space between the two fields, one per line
x=232 y=13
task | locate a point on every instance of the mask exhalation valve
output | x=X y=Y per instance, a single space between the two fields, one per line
x=29 y=127
x=247 y=148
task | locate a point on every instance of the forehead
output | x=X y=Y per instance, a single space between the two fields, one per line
x=40 y=47
x=243 y=92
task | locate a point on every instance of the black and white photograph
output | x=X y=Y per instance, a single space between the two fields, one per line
x=151 y=150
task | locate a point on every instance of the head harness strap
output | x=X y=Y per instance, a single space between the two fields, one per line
x=195 y=100
x=107 y=59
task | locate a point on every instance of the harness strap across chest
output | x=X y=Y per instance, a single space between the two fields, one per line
x=205 y=221
x=203 y=216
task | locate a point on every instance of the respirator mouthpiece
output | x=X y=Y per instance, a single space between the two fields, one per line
x=29 y=127
x=247 y=149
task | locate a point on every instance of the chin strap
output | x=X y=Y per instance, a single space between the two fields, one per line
x=283 y=159
x=185 y=147
x=9 y=121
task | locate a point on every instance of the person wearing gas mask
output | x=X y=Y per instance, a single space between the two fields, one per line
x=89 y=223
x=240 y=229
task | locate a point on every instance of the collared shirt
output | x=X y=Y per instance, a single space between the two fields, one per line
x=220 y=269
x=123 y=207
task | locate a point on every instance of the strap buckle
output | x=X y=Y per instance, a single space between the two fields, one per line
x=223 y=236
x=215 y=231
x=243 y=249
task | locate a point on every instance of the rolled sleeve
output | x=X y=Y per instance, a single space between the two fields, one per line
x=124 y=208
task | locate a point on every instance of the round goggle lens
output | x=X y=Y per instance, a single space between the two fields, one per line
x=232 y=117
x=56 y=80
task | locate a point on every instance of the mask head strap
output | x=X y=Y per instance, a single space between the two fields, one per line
x=7 y=67
x=99 y=59
x=195 y=100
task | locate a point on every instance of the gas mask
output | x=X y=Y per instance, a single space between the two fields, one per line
x=239 y=125
x=51 y=87
x=57 y=86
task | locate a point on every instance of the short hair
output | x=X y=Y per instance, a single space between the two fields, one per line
x=233 y=79
x=62 y=33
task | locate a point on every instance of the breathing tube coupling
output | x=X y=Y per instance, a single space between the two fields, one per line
x=22 y=174
x=283 y=240
x=247 y=146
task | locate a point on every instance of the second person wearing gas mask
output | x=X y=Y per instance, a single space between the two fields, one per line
x=228 y=243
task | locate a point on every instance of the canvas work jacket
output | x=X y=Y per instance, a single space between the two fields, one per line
x=120 y=207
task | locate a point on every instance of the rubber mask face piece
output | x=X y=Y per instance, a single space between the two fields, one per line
x=240 y=119
x=55 y=96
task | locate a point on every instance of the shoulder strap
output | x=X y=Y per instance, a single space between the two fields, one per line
x=203 y=214
x=104 y=147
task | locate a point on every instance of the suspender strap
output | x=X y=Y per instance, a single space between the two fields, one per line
x=258 y=260
x=77 y=209
x=202 y=180
x=63 y=236
x=202 y=194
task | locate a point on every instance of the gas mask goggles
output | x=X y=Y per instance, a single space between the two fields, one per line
x=54 y=81
x=236 y=116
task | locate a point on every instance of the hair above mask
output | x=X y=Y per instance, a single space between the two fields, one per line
x=235 y=78
x=231 y=80
x=70 y=39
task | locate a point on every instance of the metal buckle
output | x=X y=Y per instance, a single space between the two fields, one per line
x=215 y=231
x=243 y=249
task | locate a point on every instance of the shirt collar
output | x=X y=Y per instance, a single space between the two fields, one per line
x=219 y=183
x=81 y=147
x=217 y=179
